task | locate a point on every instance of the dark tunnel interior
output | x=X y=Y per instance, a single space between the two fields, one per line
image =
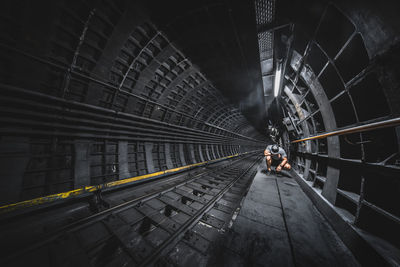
x=99 y=97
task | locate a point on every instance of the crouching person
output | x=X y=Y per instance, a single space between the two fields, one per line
x=277 y=157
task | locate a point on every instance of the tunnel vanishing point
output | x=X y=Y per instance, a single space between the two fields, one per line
x=133 y=132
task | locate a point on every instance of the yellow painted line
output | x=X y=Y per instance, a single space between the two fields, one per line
x=93 y=188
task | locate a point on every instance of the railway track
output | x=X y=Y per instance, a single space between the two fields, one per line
x=171 y=226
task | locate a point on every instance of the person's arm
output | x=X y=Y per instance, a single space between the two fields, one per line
x=280 y=166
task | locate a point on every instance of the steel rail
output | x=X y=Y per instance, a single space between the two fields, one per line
x=80 y=223
x=174 y=238
x=357 y=129
x=84 y=191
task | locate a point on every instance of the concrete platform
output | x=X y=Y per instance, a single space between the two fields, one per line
x=278 y=225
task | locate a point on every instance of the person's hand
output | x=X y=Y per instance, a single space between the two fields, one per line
x=279 y=168
x=269 y=169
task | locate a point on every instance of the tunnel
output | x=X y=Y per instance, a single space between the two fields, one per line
x=139 y=133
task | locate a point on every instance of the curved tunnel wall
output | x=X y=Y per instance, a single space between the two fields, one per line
x=93 y=92
x=334 y=81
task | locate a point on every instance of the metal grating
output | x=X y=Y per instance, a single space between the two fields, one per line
x=265 y=12
x=265 y=45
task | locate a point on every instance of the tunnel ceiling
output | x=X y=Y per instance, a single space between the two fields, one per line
x=98 y=91
x=220 y=38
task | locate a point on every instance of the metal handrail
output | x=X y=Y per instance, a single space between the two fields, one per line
x=356 y=129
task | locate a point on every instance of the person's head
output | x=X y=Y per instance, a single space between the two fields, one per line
x=275 y=149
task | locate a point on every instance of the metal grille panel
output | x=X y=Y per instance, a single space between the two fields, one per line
x=265 y=12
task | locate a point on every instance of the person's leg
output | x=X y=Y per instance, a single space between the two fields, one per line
x=274 y=163
x=269 y=162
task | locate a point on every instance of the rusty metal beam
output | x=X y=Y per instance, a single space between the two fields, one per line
x=356 y=129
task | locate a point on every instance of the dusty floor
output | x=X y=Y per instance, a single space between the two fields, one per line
x=279 y=226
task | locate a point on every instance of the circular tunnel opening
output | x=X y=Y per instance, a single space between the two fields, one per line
x=98 y=94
